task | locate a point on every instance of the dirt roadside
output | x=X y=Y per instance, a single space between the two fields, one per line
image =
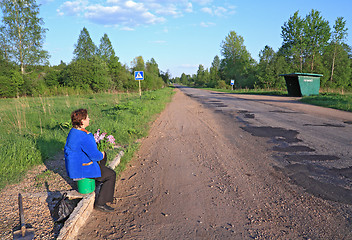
x=200 y=176
x=40 y=189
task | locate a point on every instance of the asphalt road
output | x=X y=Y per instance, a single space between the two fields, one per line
x=312 y=145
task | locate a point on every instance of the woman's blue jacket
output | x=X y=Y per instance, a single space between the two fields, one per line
x=82 y=155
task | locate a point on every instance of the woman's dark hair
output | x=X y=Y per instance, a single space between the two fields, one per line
x=77 y=117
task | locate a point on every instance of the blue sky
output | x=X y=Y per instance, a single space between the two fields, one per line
x=178 y=34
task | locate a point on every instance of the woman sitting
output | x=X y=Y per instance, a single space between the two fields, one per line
x=83 y=160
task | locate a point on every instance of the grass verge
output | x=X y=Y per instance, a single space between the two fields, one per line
x=331 y=100
x=34 y=130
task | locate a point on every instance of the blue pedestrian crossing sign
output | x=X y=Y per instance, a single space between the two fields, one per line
x=138 y=75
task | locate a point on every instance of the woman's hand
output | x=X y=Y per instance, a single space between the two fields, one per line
x=103 y=154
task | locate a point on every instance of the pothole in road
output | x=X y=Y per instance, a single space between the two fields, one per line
x=289 y=136
x=325 y=125
x=281 y=111
x=326 y=184
x=346 y=172
x=316 y=158
x=215 y=103
x=249 y=115
x=217 y=93
x=293 y=149
x=300 y=175
x=220 y=105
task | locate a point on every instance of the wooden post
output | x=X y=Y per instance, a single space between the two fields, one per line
x=140 y=90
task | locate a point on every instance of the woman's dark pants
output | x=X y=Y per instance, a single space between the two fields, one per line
x=105 y=185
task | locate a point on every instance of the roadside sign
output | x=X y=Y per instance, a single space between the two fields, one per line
x=138 y=75
x=232 y=82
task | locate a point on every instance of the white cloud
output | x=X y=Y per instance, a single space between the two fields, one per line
x=203 y=2
x=113 y=1
x=207 y=24
x=127 y=29
x=170 y=10
x=126 y=13
x=207 y=10
x=189 y=7
x=232 y=9
x=132 y=13
x=134 y=5
x=72 y=7
x=219 y=11
x=159 y=42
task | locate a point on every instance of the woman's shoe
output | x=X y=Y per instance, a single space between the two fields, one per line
x=104 y=208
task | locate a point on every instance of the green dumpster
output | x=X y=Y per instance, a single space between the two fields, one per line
x=302 y=84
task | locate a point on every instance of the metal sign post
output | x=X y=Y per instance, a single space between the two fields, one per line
x=232 y=83
x=138 y=76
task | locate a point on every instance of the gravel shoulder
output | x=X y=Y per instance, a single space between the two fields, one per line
x=40 y=189
x=199 y=175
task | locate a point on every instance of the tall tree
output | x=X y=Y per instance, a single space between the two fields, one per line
x=317 y=35
x=152 y=76
x=202 y=76
x=105 y=51
x=152 y=67
x=22 y=33
x=138 y=64
x=265 y=67
x=184 y=79
x=166 y=76
x=214 y=72
x=87 y=74
x=294 y=42
x=339 y=34
x=4 y=45
x=85 y=49
x=270 y=66
x=237 y=63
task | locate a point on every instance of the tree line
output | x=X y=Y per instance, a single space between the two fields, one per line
x=309 y=46
x=25 y=69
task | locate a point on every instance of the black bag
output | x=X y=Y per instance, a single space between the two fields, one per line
x=63 y=208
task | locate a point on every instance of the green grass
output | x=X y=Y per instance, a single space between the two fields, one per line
x=33 y=130
x=331 y=100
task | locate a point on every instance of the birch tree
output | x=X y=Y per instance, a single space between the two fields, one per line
x=294 y=42
x=339 y=34
x=22 y=33
x=237 y=63
x=317 y=35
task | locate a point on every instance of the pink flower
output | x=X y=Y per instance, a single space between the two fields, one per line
x=96 y=136
x=103 y=141
x=102 y=136
x=111 y=139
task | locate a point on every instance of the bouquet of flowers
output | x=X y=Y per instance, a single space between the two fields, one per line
x=103 y=141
